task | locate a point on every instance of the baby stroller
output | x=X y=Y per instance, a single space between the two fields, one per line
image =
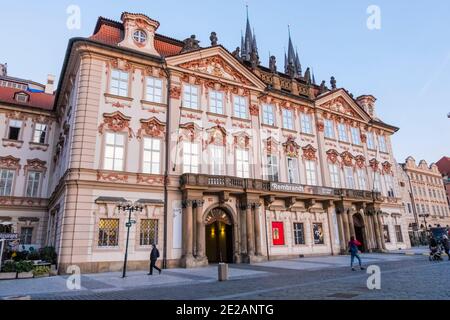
x=435 y=253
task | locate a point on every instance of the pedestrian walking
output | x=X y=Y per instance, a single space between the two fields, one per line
x=446 y=245
x=154 y=255
x=353 y=249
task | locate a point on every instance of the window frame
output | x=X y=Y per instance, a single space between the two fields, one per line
x=190 y=103
x=272 y=168
x=296 y=232
x=191 y=156
x=329 y=132
x=241 y=102
x=145 y=234
x=212 y=157
x=242 y=163
x=11 y=179
x=150 y=97
x=106 y=145
x=311 y=172
x=212 y=96
x=293 y=170
x=336 y=181
x=119 y=79
x=268 y=114
x=306 y=126
x=116 y=244
x=152 y=150
x=35 y=188
x=356 y=136
x=342 y=134
x=288 y=119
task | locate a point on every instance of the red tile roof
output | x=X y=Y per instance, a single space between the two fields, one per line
x=39 y=100
x=111 y=32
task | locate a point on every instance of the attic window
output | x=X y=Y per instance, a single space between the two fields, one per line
x=21 y=97
x=140 y=36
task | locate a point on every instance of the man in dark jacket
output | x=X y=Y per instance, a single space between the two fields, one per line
x=154 y=255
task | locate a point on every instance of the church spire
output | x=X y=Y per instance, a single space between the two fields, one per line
x=293 y=58
x=248 y=44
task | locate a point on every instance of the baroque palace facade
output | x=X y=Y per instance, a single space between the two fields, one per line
x=231 y=160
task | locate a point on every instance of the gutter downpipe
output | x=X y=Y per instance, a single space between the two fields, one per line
x=166 y=166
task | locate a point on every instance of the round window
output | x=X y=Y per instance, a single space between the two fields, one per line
x=140 y=36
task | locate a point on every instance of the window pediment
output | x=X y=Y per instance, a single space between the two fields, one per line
x=9 y=162
x=217 y=135
x=309 y=153
x=152 y=127
x=116 y=122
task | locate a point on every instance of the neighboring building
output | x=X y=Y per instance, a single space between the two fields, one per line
x=261 y=163
x=28 y=124
x=429 y=203
x=444 y=168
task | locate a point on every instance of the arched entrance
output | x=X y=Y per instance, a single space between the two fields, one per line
x=358 y=222
x=219 y=236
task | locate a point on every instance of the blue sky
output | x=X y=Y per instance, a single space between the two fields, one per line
x=405 y=64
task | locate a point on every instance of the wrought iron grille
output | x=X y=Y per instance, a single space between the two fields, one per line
x=148 y=232
x=108 y=233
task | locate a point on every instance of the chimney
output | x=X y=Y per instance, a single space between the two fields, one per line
x=139 y=32
x=367 y=102
x=3 y=70
x=49 y=87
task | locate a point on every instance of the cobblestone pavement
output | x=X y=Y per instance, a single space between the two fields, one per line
x=402 y=277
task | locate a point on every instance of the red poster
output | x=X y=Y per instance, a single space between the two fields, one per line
x=278 y=233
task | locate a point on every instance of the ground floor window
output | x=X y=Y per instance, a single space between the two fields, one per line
x=108 y=233
x=148 y=232
x=398 y=233
x=26 y=235
x=299 y=233
x=318 y=233
x=387 y=238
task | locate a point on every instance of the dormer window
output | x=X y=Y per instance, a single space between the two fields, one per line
x=140 y=36
x=21 y=97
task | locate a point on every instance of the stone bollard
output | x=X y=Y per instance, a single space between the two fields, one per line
x=223 y=272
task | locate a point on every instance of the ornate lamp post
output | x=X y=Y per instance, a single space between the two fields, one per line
x=128 y=207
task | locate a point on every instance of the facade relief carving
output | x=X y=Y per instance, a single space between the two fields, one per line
x=116 y=122
x=332 y=156
x=10 y=162
x=309 y=153
x=152 y=127
x=291 y=148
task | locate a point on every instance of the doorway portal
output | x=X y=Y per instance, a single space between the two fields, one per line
x=358 y=222
x=219 y=237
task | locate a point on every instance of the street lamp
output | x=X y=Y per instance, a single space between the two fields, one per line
x=130 y=207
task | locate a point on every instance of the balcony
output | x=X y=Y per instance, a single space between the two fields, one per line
x=241 y=185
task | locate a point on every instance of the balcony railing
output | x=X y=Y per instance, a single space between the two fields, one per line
x=227 y=182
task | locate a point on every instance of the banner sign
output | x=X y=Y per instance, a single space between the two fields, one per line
x=9 y=236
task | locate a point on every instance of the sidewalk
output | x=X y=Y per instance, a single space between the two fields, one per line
x=113 y=282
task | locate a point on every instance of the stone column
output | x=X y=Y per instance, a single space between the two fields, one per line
x=188 y=242
x=250 y=232
x=377 y=231
x=346 y=226
x=257 y=221
x=200 y=229
x=341 y=232
x=383 y=245
x=351 y=224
